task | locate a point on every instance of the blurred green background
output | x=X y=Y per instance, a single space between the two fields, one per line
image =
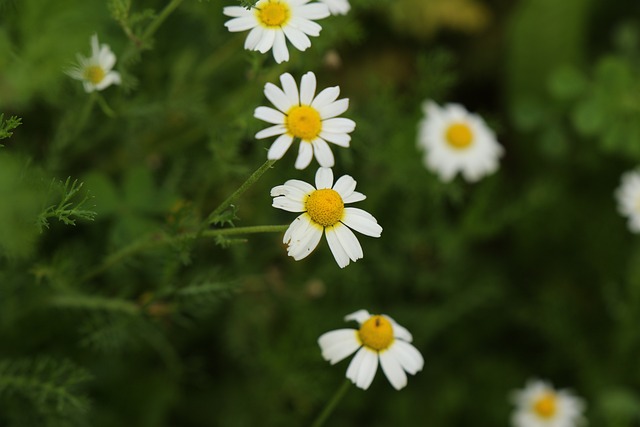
x=529 y=273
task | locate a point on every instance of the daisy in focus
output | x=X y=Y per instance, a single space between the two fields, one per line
x=455 y=140
x=272 y=22
x=379 y=339
x=540 y=405
x=628 y=196
x=96 y=72
x=323 y=212
x=337 y=7
x=303 y=115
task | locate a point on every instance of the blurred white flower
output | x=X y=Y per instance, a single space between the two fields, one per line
x=379 y=338
x=96 y=71
x=324 y=213
x=540 y=405
x=271 y=21
x=455 y=140
x=312 y=119
x=628 y=196
x=337 y=7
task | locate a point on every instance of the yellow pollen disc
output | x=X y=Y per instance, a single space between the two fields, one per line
x=546 y=406
x=304 y=122
x=376 y=333
x=325 y=207
x=94 y=73
x=459 y=136
x=274 y=14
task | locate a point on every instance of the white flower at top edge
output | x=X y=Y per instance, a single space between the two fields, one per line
x=455 y=140
x=323 y=212
x=379 y=339
x=95 y=72
x=273 y=21
x=337 y=7
x=541 y=405
x=303 y=115
x=628 y=196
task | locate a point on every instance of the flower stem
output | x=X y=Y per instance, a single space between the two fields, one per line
x=215 y=215
x=108 y=111
x=153 y=27
x=331 y=405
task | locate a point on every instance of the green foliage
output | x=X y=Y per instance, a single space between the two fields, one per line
x=67 y=211
x=6 y=126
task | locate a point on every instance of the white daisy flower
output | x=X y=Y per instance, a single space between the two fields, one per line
x=628 y=196
x=379 y=338
x=324 y=211
x=337 y=7
x=540 y=405
x=455 y=140
x=302 y=115
x=96 y=71
x=271 y=21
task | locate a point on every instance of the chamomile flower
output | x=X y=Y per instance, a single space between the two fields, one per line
x=324 y=212
x=628 y=196
x=273 y=21
x=379 y=339
x=540 y=405
x=96 y=72
x=303 y=115
x=455 y=140
x=337 y=7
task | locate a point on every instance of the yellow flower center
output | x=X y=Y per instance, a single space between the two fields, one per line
x=325 y=207
x=94 y=73
x=376 y=333
x=459 y=136
x=546 y=406
x=304 y=122
x=273 y=13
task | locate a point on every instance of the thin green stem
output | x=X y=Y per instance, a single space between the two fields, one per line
x=215 y=215
x=161 y=239
x=331 y=405
x=155 y=24
x=108 y=111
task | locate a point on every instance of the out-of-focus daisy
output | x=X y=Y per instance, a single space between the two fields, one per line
x=628 y=195
x=323 y=211
x=337 y=7
x=273 y=21
x=379 y=338
x=96 y=71
x=455 y=140
x=302 y=115
x=540 y=405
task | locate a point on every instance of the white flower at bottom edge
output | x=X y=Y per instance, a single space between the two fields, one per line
x=272 y=22
x=379 y=339
x=628 y=196
x=455 y=140
x=337 y=7
x=96 y=71
x=324 y=212
x=540 y=405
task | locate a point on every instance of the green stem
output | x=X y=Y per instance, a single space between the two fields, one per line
x=108 y=111
x=161 y=239
x=332 y=404
x=153 y=27
x=214 y=216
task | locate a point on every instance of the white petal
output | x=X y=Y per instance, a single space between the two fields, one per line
x=348 y=240
x=291 y=192
x=95 y=46
x=296 y=229
x=267 y=40
x=305 y=154
x=107 y=59
x=393 y=370
x=354 y=197
x=400 y=331
x=368 y=368
x=279 y=147
x=361 y=221
x=337 y=7
x=235 y=11
x=112 y=77
x=313 y=11
x=326 y=97
x=323 y=153
x=334 y=109
x=359 y=316
x=306 y=245
x=271 y=131
x=288 y=205
x=409 y=357
x=269 y=115
x=338 y=344
x=345 y=186
x=304 y=186
x=307 y=88
x=253 y=38
x=297 y=38
x=324 y=178
x=290 y=89
x=277 y=97
x=280 y=51
x=338 y=125
x=308 y=27
x=341 y=139
x=339 y=253
x=242 y=23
